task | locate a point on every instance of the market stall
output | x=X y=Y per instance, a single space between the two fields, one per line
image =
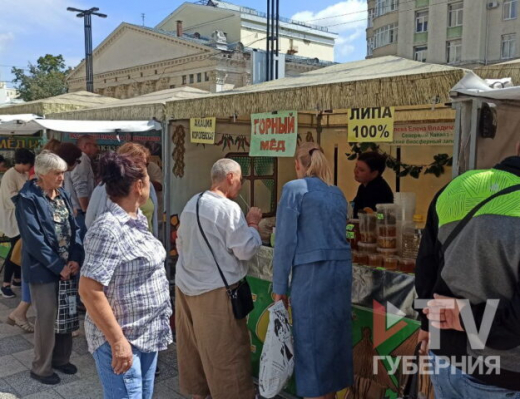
x=396 y=104
x=487 y=120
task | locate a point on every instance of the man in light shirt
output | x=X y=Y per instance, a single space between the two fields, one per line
x=213 y=347
x=12 y=182
x=81 y=182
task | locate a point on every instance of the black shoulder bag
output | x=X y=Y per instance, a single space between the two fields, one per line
x=240 y=296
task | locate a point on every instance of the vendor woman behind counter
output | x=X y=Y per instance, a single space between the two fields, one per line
x=373 y=188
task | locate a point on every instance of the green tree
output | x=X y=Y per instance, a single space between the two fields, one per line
x=47 y=78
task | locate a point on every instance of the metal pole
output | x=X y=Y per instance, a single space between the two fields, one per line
x=475 y=108
x=456 y=141
x=88 y=51
x=277 y=38
x=273 y=10
x=267 y=45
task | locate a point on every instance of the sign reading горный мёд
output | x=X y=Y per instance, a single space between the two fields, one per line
x=440 y=133
x=274 y=134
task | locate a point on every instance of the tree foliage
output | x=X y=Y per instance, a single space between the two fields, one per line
x=45 y=79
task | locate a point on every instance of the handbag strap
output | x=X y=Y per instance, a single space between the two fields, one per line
x=209 y=246
x=455 y=232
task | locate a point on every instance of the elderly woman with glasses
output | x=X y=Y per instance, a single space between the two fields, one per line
x=124 y=285
x=52 y=251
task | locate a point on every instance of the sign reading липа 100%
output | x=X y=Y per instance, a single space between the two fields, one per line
x=274 y=134
x=374 y=124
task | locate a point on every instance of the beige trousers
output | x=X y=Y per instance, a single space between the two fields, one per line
x=213 y=348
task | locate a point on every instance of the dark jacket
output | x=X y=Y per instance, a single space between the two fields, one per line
x=40 y=260
x=376 y=192
x=483 y=262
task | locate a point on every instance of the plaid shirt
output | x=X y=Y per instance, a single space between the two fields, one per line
x=122 y=255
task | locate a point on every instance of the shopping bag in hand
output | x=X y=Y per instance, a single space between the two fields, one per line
x=277 y=360
x=67 y=318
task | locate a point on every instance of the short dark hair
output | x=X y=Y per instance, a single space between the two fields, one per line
x=24 y=156
x=374 y=160
x=118 y=172
x=2 y=159
x=69 y=152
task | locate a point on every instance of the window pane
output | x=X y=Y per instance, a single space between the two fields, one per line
x=245 y=192
x=265 y=195
x=245 y=164
x=264 y=166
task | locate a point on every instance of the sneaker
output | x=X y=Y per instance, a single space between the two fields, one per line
x=53 y=379
x=7 y=292
x=16 y=284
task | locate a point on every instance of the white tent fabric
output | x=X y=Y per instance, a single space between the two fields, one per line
x=26 y=128
x=18 y=117
x=473 y=86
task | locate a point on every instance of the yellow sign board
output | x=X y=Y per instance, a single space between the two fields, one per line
x=374 y=124
x=202 y=130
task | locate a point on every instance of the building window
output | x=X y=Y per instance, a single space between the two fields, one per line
x=206 y=76
x=192 y=78
x=371 y=13
x=184 y=80
x=199 y=77
x=455 y=13
x=419 y=53
x=508 y=46
x=385 y=6
x=260 y=182
x=370 y=46
x=454 y=51
x=385 y=35
x=421 y=21
x=510 y=9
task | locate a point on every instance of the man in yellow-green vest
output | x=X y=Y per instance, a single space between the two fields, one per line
x=468 y=285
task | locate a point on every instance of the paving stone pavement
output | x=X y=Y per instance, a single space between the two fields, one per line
x=16 y=355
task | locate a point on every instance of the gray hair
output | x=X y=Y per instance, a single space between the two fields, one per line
x=47 y=162
x=222 y=168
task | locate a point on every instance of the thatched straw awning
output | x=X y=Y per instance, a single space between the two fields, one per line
x=509 y=69
x=144 y=107
x=61 y=103
x=385 y=81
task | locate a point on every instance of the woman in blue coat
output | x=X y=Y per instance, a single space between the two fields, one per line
x=311 y=244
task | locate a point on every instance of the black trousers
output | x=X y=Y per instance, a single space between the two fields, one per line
x=12 y=269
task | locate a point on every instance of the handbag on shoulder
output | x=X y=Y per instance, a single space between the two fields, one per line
x=240 y=296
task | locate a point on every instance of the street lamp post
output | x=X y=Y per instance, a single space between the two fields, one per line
x=87 y=18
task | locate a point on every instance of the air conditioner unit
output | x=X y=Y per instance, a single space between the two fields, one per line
x=492 y=4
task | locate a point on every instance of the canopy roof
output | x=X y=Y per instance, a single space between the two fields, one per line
x=33 y=126
x=384 y=81
x=511 y=69
x=144 y=107
x=18 y=117
x=473 y=86
x=64 y=102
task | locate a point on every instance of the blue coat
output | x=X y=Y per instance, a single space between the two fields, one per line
x=310 y=227
x=40 y=260
x=311 y=244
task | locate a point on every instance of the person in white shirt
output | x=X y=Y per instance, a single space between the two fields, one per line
x=213 y=347
x=12 y=183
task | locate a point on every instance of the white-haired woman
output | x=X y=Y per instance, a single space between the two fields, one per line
x=52 y=251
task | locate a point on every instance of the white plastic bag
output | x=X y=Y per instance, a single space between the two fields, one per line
x=277 y=360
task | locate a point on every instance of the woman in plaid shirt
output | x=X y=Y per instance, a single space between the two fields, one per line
x=124 y=285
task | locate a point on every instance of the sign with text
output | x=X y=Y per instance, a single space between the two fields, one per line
x=11 y=143
x=202 y=130
x=441 y=133
x=374 y=124
x=274 y=134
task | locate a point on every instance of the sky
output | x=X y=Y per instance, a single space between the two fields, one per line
x=32 y=28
